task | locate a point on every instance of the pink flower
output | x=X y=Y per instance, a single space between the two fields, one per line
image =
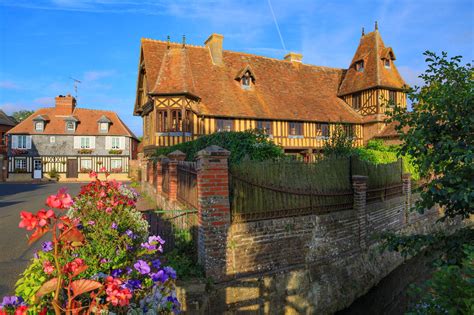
x=103 y=169
x=28 y=220
x=115 y=293
x=48 y=267
x=44 y=216
x=108 y=210
x=92 y=174
x=53 y=201
x=61 y=200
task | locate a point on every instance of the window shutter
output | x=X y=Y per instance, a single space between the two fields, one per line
x=77 y=142
x=122 y=143
x=14 y=142
x=28 y=142
x=108 y=144
x=92 y=142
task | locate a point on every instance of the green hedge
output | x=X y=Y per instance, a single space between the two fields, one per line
x=249 y=145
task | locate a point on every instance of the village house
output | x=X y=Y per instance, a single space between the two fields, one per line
x=70 y=140
x=6 y=123
x=185 y=91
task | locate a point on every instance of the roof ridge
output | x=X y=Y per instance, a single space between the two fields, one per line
x=377 y=68
x=171 y=43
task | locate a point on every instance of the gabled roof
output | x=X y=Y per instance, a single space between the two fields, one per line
x=390 y=131
x=6 y=120
x=86 y=123
x=283 y=91
x=371 y=50
x=104 y=119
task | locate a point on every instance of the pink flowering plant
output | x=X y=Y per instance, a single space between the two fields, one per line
x=99 y=257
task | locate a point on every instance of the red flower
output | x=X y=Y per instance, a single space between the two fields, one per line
x=28 y=220
x=21 y=310
x=103 y=169
x=44 y=216
x=48 y=267
x=115 y=293
x=61 y=200
x=72 y=266
x=92 y=174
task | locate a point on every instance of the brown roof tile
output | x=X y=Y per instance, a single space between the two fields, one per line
x=283 y=90
x=371 y=50
x=87 y=125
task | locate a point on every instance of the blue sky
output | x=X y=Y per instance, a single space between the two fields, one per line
x=44 y=42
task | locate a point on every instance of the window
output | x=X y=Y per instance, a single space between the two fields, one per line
x=264 y=126
x=246 y=80
x=392 y=97
x=39 y=126
x=70 y=126
x=386 y=63
x=115 y=163
x=52 y=139
x=176 y=120
x=21 y=142
x=104 y=126
x=162 y=121
x=356 y=100
x=359 y=66
x=85 y=143
x=188 y=121
x=115 y=143
x=295 y=129
x=224 y=124
x=324 y=130
x=86 y=164
x=348 y=131
x=20 y=164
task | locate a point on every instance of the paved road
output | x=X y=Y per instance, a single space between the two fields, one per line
x=14 y=251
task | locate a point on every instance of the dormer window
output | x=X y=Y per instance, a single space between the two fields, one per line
x=104 y=124
x=386 y=63
x=360 y=66
x=70 y=126
x=104 y=127
x=39 y=126
x=246 y=78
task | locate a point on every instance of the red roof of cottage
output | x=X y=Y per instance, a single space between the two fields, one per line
x=390 y=132
x=372 y=52
x=87 y=123
x=283 y=90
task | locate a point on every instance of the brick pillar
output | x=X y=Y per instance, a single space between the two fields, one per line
x=149 y=171
x=159 y=173
x=359 y=184
x=406 y=179
x=213 y=210
x=174 y=157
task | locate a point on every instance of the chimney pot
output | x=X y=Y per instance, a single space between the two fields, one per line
x=214 y=43
x=294 y=57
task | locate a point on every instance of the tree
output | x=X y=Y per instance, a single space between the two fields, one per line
x=339 y=144
x=440 y=134
x=22 y=115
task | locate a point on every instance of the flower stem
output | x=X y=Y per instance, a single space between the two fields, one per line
x=56 y=304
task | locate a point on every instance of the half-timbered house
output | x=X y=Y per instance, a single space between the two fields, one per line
x=185 y=91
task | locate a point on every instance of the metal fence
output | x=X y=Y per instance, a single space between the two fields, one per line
x=187 y=183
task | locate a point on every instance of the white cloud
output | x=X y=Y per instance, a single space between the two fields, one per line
x=9 y=85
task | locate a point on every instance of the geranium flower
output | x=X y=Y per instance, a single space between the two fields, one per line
x=61 y=200
x=116 y=295
x=21 y=310
x=72 y=266
x=47 y=246
x=92 y=174
x=44 y=216
x=48 y=267
x=103 y=169
x=142 y=267
x=28 y=221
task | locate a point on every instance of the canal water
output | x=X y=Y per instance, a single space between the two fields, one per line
x=389 y=296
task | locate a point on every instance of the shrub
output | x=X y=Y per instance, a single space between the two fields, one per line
x=54 y=174
x=100 y=259
x=250 y=145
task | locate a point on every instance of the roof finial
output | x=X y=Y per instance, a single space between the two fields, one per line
x=168 y=42
x=376 y=26
x=363 y=31
x=184 y=41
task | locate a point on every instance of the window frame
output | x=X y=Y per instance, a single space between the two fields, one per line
x=23 y=160
x=39 y=123
x=112 y=161
x=349 y=131
x=266 y=130
x=21 y=142
x=52 y=139
x=176 y=120
x=387 y=63
x=357 y=104
x=89 y=161
x=359 y=66
x=70 y=123
x=102 y=124
x=117 y=146
x=224 y=124
x=162 y=120
x=392 y=96
x=86 y=144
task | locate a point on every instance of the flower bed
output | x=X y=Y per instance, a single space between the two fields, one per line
x=115 y=151
x=84 y=151
x=99 y=260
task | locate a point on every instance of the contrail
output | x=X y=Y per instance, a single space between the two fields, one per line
x=277 y=27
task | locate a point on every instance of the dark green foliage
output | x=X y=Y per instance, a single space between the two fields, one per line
x=339 y=143
x=54 y=174
x=449 y=291
x=440 y=134
x=22 y=115
x=242 y=145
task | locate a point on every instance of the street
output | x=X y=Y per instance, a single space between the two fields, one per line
x=14 y=251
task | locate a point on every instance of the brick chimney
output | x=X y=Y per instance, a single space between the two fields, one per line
x=65 y=104
x=214 y=43
x=294 y=57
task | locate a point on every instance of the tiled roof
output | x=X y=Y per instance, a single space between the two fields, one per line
x=6 y=120
x=87 y=124
x=390 y=132
x=371 y=50
x=283 y=90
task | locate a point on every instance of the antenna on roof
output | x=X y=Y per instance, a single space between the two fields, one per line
x=277 y=27
x=168 y=42
x=76 y=81
x=376 y=26
x=363 y=31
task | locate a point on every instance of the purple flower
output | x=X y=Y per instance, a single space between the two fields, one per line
x=11 y=301
x=129 y=270
x=91 y=222
x=116 y=273
x=152 y=243
x=130 y=234
x=159 y=276
x=47 y=246
x=142 y=267
x=114 y=225
x=36 y=254
x=156 y=263
x=155 y=238
x=170 y=272
x=104 y=261
x=133 y=284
